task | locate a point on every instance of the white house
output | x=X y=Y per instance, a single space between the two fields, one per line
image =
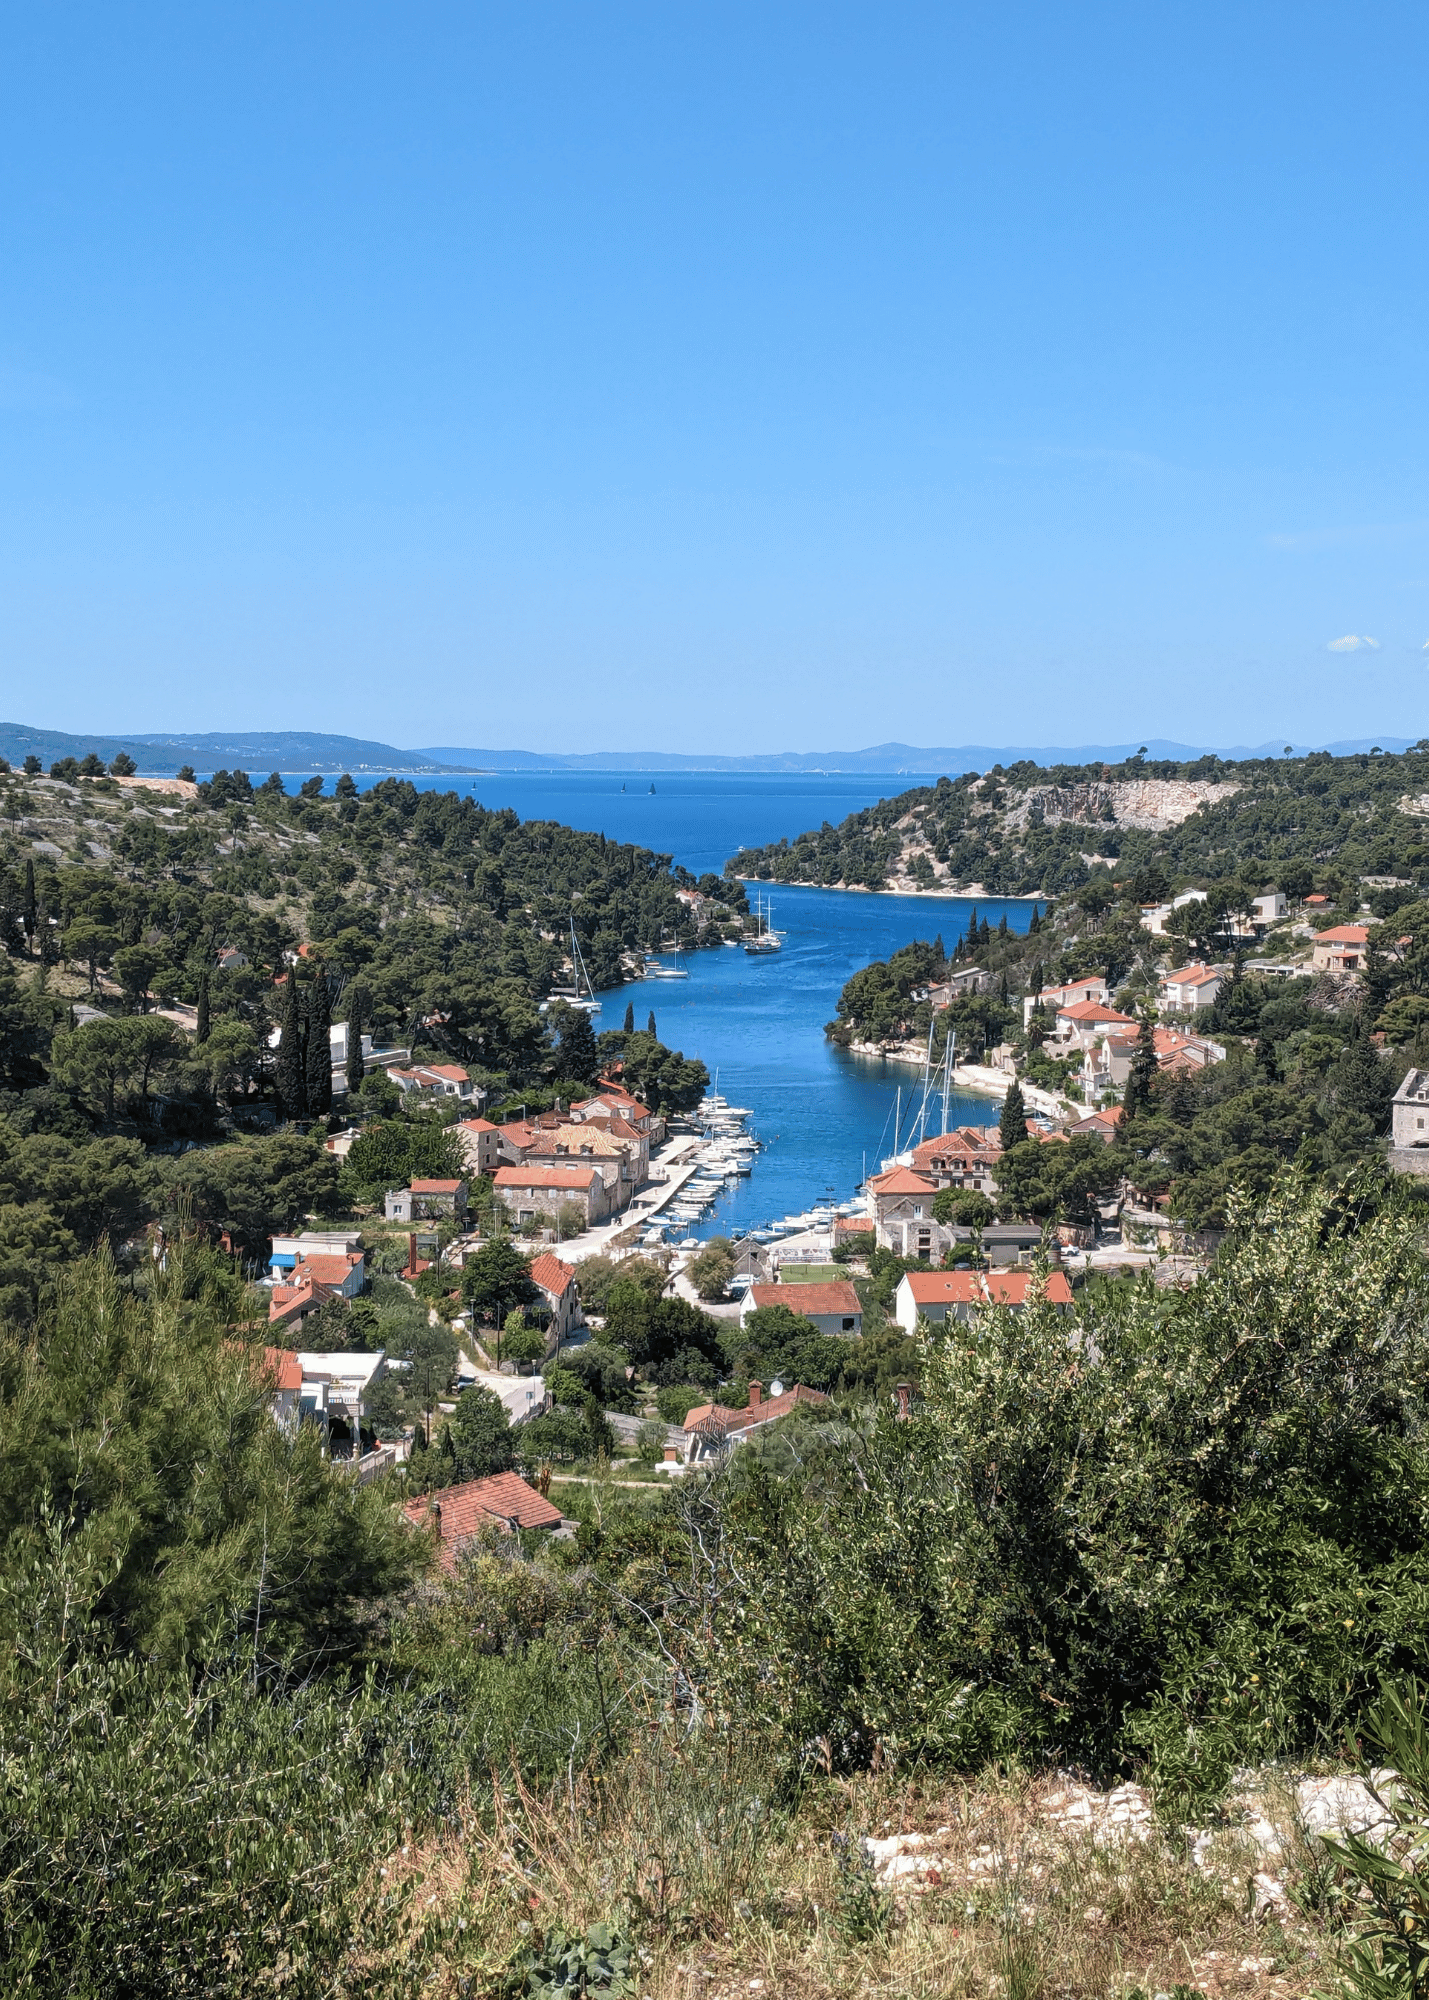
x=1192 y=986
x=1154 y=916
x=831 y=1308
x=1409 y=1143
x=939 y=1295
x=1053 y=997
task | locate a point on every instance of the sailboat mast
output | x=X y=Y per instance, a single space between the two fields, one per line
x=949 y=1063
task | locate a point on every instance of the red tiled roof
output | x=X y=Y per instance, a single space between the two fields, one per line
x=1093 y=1010
x=284 y=1366
x=1192 y=975
x=436 y=1187
x=327 y=1270
x=968 y=1139
x=546 y=1177
x=902 y=1180
x=854 y=1225
x=450 y=1071
x=809 y=1301
x=1001 y=1288
x=1343 y=934
x=714 y=1418
x=477 y=1125
x=287 y=1301
x=467 y=1508
x=551 y=1274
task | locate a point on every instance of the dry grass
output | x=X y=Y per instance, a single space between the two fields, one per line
x=731 y=1898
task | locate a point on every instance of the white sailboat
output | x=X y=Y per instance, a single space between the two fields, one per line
x=766 y=939
x=572 y=995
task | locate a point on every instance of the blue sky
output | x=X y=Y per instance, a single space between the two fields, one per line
x=745 y=377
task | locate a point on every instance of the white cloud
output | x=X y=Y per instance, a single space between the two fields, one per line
x=1353 y=642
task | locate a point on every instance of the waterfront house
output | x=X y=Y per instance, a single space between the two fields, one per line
x=458 y=1515
x=1192 y=987
x=539 y=1189
x=963 y=1158
x=936 y=1296
x=711 y=1429
x=830 y=1308
x=1341 y=949
x=428 y=1201
x=968 y=979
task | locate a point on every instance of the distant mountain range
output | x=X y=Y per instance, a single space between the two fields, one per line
x=295 y=750
x=892 y=759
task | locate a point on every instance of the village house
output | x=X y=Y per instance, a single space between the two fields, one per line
x=283 y=1371
x=616 y=1159
x=231 y=959
x=334 y=1395
x=537 y=1190
x=936 y=1296
x=963 y=1158
x=970 y=979
x=1409 y=1136
x=830 y=1308
x=1192 y=987
x=1053 y=997
x=1005 y=1243
x=1079 y=1023
x=1340 y=949
x=1103 y=1125
x=481 y=1144
x=287 y=1250
x=439 y=1080
x=903 y=1213
x=458 y=1515
x=556 y=1282
x=1154 y=915
x=428 y=1201
x=711 y=1429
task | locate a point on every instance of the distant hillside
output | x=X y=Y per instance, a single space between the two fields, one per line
x=255 y=751
x=1030 y=830
x=896 y=759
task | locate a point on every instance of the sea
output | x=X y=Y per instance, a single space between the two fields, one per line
x=825 y=1117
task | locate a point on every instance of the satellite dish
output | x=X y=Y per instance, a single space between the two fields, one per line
x=776 y=1388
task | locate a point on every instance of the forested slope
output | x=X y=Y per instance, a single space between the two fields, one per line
x=1034 y=830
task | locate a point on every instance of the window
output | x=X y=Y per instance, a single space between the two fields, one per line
x=849 y=1325
x=918 y=1212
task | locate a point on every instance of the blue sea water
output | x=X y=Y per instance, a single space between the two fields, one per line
x=824 y=1116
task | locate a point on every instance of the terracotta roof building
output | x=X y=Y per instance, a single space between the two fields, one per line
x=935 y=1295
x=831 y=1308
x=458 y=1513
x=710 y=1428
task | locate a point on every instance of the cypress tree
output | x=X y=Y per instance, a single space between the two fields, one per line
x=1002 y=925
x=1137 y=1095
x=318 y=1053
x=288 y=1065
x=356 y=1068
x=29 y=908
x=650 y=1024
x=1012 y=1125
x=201 y=1010
x=970 y=934
x=630 y=1017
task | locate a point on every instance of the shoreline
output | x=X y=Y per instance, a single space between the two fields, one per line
x=974 y=893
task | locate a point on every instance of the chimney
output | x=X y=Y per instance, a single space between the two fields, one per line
x=756 y=1395
x=904 y=1393
x=437 y=1517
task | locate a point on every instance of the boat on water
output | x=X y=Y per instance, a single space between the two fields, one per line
x=766 y=939
x=581 y=991
x=655 y=968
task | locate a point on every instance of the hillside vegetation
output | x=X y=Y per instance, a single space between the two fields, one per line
x=1031 y=830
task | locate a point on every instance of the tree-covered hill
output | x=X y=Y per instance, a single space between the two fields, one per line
x=1032 y=829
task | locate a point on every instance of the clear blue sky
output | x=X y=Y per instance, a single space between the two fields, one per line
x=726 y=377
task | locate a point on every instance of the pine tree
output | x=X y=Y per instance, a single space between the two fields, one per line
x=970 y=934
x=650 y=1025
x=29 y=908
x=630 y=1017
x=1012 y=1125
x=318 y=1053
x=201 y=1009
x=1002 y=925
x=356 y=1068
x=1036 y=923
x=1137 y=1094
x=288 y=1065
